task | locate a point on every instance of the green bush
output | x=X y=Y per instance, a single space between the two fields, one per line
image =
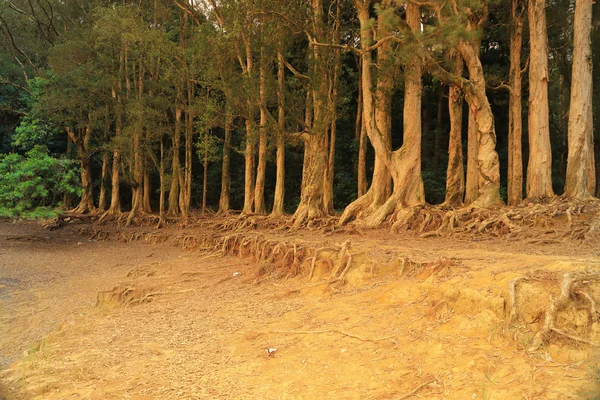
x=31 y=184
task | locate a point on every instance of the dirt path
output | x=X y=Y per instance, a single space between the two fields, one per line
x=176 y=324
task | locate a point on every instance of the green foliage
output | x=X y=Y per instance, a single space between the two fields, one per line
x=30 y=184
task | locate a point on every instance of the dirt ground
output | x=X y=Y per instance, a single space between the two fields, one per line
x=82 y=318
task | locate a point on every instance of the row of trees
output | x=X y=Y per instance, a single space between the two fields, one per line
x=150 y=88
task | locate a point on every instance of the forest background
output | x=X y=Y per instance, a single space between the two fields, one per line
x=295 y=107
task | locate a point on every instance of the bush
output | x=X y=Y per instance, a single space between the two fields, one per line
x=31 y=184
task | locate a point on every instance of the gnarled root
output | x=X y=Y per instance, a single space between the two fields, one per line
x=567 y=290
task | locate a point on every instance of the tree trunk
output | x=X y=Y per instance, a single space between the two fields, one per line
x=67 y=197
x=515 y=124
x=138 y=162
x=176 y=176
x=311 y=196
x=404 y=164
x=205 y=172
x=376 y=109
x=455 y=175
x=82 y=143
x=249 y=170
x=225 y=174
x=581 y=145
x=104 y=173
x=279 y=199
x=330 y=171
x=472 y=184
x=161 y=177
x=147 y=207
x=259 y=190
x=115 y=198
x=539 y=168
x=185 y=196
x=361 y=135
x=487 y=158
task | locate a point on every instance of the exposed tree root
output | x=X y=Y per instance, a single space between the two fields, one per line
x=568 y=290
x=416 y=390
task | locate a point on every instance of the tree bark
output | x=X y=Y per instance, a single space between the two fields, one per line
x=279 y=198
x=487 y=158
x=539 y=168
x=115 y=198
x=205 y=172
x=104 y=173
x=515 y=123
x=225 y=174
x=176 y=176
x=361 y=135
x=581 y=148
x=147 y=207
x=404 y=164
x=259 y=189
x=316 y=153
x=472 y=183
x=82 y=143
x=455 y=174
x=249 y=170
x=330 y=171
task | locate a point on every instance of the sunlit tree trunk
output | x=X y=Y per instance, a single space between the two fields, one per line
x=279 y=198
x=176 y=176
x=82 y=143
x=104 y=173
x=330 y=171
x=361 y=135
x=472 y=179
x=316 y=153
x=580 y=182
x=539 y=168
x=261 y=169
x=404 y=164
x=455 y=174
x=225 y=174
x=515 y=123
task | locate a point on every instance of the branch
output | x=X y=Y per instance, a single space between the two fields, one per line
x=294 y=70
x=15 y=85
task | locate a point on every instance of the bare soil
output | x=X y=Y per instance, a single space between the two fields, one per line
x=101 y=312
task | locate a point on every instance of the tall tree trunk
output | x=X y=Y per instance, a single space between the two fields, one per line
x=330 y=171
x=279 y=198
x=487 y=157
x=185 y=190
x=161 y=176
x=404 y=164
x=176 y=176
x=380 y=113
x=146 y=205
x=472 y=183
x=225 y=174
x=249 y=170
x=138 y=161
x=311 y=197
x=104 y=173
x=205 y=172
x=82 y=143
x=515 y=123
x=259 y=190
x=67 y=197
x=539 y=168
x=455 y=174
x=580 y=182
x=361 y=135
x=115 y=197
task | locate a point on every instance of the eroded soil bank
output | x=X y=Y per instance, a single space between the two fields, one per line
x=100 y=312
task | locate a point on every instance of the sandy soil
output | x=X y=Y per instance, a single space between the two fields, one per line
x=195 y=325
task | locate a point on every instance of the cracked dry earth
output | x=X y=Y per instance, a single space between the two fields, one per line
x=84 y=319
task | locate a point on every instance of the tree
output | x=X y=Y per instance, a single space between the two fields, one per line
x=580 y=182
x=539 y=167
